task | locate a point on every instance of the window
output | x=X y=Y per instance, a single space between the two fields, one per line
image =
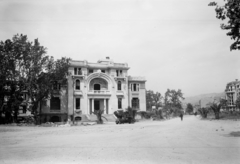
x=23 y=108
x=55 y=103
x=135 y=103
x=97 y=87
x=90 y=71
x=77 y=103
x=77 y=71
x=103 y=71
x=77 y=86
x=119 y=73
x=135 y=87
x=119 y=85
x=119 y=103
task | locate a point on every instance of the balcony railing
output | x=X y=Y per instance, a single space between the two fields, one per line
x=99 y=92
x=120 y=64
x=139 y=78
x=120 y=93
x=77 y=92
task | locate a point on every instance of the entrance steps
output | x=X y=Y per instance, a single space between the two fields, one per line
x=93 y=118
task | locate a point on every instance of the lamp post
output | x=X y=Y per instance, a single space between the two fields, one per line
x=73 y=100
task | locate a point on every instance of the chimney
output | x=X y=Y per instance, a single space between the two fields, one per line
x=107 y=57
x=236 y=79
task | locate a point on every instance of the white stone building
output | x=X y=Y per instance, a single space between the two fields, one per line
x=93 y=86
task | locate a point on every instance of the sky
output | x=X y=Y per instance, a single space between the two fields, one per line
x=174 y=44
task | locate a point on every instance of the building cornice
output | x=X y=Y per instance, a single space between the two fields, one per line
x=110 y=65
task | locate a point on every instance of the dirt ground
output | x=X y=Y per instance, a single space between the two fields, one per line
x=174 y=141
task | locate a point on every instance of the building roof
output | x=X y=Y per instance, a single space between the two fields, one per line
x=233 y=82
x=102 y=63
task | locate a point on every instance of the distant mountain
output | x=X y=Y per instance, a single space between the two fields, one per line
x=204 y=97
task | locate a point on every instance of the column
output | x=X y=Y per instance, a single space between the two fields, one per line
x=109 y=106
x=89 y=106
x=104 y=105
x=92 y=105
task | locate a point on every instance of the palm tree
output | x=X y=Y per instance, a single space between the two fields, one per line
x=216 y=109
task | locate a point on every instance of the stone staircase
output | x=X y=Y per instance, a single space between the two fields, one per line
x=93 y=118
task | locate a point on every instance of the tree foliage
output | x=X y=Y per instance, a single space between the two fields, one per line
x=216 y=109
x=189 y=108
x=216 y=106
x=153 y=99
x=172 y=101
x=203 y=112
x=230 y=11
x=25 y=66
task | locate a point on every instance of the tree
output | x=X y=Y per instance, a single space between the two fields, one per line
x=25 y=66
x=231 y=11
x=216 y=109
x=153 y=99
x=189 y=108
x=203 y=112
x=217 y=106
x=223 y=102
x=238 y=102
x=172 y=101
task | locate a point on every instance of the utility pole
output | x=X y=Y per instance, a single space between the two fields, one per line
x=73 y=100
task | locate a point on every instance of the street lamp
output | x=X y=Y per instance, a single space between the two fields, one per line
x=73 y=100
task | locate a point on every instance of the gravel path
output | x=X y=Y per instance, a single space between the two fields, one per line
x=174 y=141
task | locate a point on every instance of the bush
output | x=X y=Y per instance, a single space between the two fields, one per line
x=127 y=116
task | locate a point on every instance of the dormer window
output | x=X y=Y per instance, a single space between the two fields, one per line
x=77 y=71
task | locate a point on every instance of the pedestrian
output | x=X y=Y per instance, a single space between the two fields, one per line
x=181 y=115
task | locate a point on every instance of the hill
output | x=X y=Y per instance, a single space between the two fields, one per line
x=206 y=97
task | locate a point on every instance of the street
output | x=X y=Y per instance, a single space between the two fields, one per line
x=173 y=141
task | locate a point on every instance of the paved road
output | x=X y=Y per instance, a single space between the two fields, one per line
x=174 y=141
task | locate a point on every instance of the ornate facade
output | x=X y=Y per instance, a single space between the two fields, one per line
x=103 y=85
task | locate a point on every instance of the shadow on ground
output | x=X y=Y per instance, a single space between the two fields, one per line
x=235 y=134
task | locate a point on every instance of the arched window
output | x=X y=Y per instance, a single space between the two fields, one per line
x=119 y=85
x=97 y=87
x=77 y=86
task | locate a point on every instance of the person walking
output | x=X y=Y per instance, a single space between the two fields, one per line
x=181 y=115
